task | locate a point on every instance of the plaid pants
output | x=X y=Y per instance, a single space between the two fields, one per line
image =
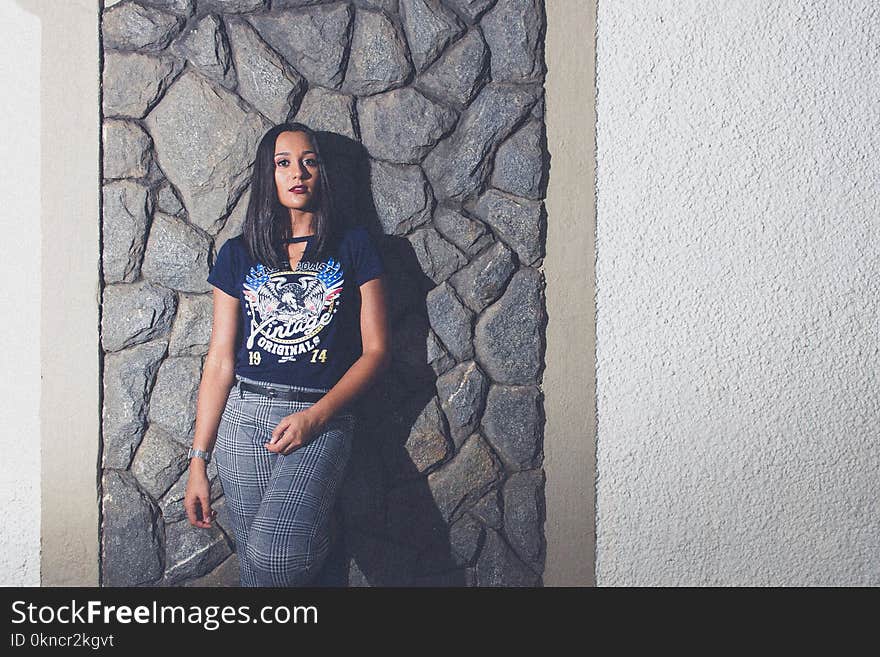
x=279 y=505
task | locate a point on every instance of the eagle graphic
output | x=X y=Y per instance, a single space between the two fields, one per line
x=277 y=299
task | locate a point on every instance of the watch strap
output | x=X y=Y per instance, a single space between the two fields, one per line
x=199 y=453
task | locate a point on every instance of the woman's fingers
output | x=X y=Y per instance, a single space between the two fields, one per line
x=189 y=506
x=196 y=505
x=207 y=513
x=285 y=440
x=278 y=431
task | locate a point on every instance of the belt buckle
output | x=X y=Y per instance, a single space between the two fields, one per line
x=271 y=392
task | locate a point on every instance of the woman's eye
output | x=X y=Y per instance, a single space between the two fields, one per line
x=311 y=162
x=283 y=163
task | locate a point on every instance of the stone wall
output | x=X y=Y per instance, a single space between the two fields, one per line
x=433 y=112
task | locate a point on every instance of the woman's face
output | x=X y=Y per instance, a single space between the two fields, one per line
x=297 y=171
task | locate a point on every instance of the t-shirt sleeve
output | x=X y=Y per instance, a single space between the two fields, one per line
x=365 y=256
x=223 y=274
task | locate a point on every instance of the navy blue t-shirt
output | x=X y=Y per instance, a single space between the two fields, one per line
x=299 y=327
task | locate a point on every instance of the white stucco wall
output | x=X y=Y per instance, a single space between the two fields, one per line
x=20 y=304
x=738 y=292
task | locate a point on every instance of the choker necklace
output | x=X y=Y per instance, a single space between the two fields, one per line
x=291 y=240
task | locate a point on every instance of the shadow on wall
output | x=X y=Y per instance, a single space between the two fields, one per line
x=389 y=530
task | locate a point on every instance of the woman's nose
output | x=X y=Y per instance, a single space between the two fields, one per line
x=300 y=171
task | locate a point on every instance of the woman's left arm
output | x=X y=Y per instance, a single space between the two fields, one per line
x=293 y=431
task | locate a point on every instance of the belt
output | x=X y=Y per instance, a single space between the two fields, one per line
x=276 y=393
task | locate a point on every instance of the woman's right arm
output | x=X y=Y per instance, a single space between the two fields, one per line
x=218 y=375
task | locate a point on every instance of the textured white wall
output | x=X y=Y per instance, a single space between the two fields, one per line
x=20 y=301
x=738 y=292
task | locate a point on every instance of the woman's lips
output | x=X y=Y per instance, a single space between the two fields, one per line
x=300 y=189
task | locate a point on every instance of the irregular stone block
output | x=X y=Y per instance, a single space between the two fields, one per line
x=227 y=574
x=519 y=162
x=183 y=7
x=524 y=515
x=207 y=48
x=429 y=27
x=513 y=30
x=128 y=378
x=483 y=281
x=464 y=479
x=390 y=6
x=450 y=553
x=518 y=221
x=465 y=536
x=173 y=402
x=125 y=216
x=488 y=509
x=402 y=125
x=132 y=530
x=508 y=338
x=158 y=462
x=168 y=202
x=513 y=424
x=135 y=313
x=377 y=57
x=129 y=26
x=402 y=196
x=176 y=255
x=322 y=109
x=205 y=143
x=471 y=10
x=192 y=551
x=459 y=164
x=133 y=82
x=438 y=358
x=192 y=327
x=312 y=39
x=425 y=446
x=265 y=80
x=462 y=391
x=469 y=235
x=238 y=6
x=451 y=321
x=538 y=109
x=287 y=4
x=460 y=72
x=126 y=149
x=233 y=225
x=499 y=565
x=439 y=259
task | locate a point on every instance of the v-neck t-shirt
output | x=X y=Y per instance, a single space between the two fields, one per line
x=299 y=326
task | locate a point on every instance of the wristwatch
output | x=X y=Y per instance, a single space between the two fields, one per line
x=200 y=453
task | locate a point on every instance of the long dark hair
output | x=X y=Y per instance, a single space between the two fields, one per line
x=267 y=222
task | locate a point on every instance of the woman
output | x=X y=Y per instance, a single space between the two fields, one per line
x=300 y=330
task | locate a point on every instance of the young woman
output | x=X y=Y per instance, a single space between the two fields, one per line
x=300 y=330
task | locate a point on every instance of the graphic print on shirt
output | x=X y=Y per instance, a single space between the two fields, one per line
x=288 y=310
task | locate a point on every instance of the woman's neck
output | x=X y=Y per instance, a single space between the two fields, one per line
x=302 y=223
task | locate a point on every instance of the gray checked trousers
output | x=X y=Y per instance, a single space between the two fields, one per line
x=279 y=505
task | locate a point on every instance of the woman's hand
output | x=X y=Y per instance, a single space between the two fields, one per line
x=294 y=431
x=197 y=500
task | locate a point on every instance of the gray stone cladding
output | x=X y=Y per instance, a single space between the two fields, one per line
x=432 y=111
